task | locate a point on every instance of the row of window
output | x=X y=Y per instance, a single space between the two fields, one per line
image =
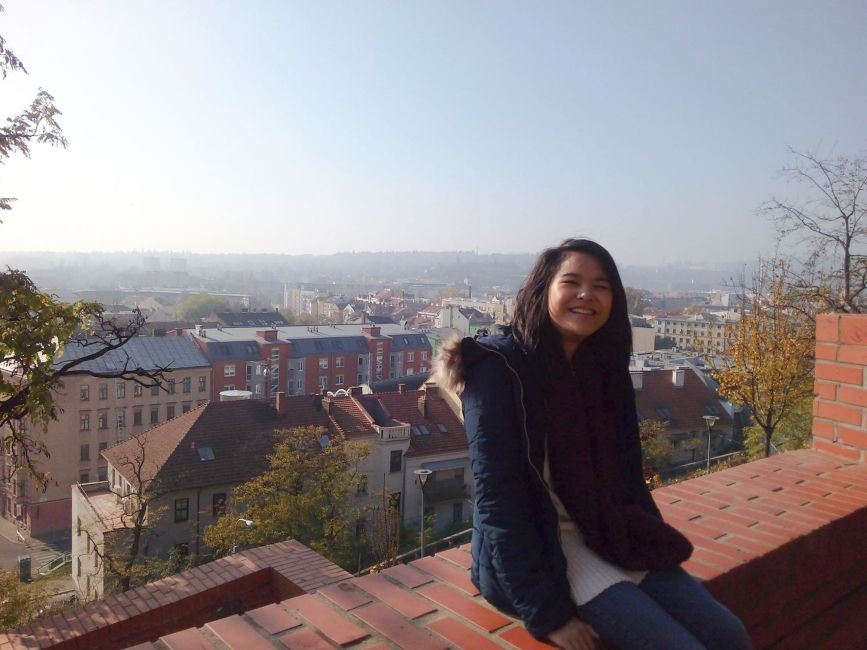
x=137 y=416
x=84 y=452
x=138 y=389
x=182 y=507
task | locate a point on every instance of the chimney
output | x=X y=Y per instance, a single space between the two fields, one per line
x=637 y=380
x=431 y=389
x=281 y=402
x=401 y=388
x=268 y=335
x=677 y=377
x=356 y=391
x=317 y=401
x=371 y=330
x=422 y=405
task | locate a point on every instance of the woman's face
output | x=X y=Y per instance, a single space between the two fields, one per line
x=579 y=299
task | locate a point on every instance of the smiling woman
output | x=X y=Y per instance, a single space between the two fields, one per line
x=566 y=534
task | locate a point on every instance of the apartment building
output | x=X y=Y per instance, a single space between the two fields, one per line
x=94 y=413
x=704 y=332
x=301 y=359
x=195 y=460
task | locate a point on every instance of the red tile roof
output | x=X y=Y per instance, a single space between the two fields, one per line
x=686 y=405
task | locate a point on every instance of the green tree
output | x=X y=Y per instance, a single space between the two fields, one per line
x=768 y=366
x=200 y=305
x=656 y=448
x=304 y=494
x=19 y=604
x=829 y=223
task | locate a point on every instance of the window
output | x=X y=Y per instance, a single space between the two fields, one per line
x=171 y=386
x=185 y=407
x=170 y=411
x=102 y=474
x=155 y=390
x=663 y=412
x=120 y=416
x=360 y=362
x=84 y=392
x=299 y=386
x=185 y=385
x=103 y=391
x=102 y=420
x=360 y=379
x=137 y=390
x=362 y=485
x=338 y=362
x=218 y=504
x=301 y=364
x=120 y=390
x=229 y=387
x=410 y=356
x=103 y=446
x=441 y=427
x=395 y=461
x=83 y=477
x=338 y=380
x=711 y=409
x=323 y=364
x=229 y=370
x=182 y=510
x=136 y=418
x=420 y=430
x=275 y=355
x=84 y=422
x=155 y=415
x=323 y=381
x=202 y=384
x=84 y=452
x=424 y=356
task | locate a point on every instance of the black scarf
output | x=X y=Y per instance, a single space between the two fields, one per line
x=583 y=410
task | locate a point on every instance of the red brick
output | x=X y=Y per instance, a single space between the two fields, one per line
x=826 y=351
x=190 y=639
x=461 y=636
x=448 y=573
x=401 y=600
x=853 y=329
x=273 y=618
x=468 y=608
x=837 y=450
x=457 y=556
x=827 y=327
x=330 y=623
x=841 y=373
x=305 y=640
x=856 y=354
x=852 y=395
x=408 y=576
x=823 y=429
x=398 y=629
x=825 y=390
x=837 y=412
x=345 y=595
x=520 y=638
x=698 y=569
x=235 y=632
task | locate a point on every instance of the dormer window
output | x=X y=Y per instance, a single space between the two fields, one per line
x=205 y=453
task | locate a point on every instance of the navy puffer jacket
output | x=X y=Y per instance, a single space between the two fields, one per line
x=518 y=563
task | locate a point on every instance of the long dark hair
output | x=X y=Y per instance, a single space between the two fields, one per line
x=532 y=326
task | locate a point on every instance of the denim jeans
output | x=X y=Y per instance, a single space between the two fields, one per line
x=669 y=610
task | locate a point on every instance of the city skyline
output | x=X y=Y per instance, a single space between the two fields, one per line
x=309 y=128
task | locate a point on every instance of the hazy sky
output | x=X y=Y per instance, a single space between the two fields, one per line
x=313 y=127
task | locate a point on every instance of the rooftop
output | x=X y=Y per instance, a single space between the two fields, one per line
x=147 y=352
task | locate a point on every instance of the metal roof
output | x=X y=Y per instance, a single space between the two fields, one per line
x=147 y=352
x=233 y=351
x=329 y=346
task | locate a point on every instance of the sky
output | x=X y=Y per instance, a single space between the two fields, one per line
x=656 y=128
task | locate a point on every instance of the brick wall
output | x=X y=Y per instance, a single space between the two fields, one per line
x=840 y=406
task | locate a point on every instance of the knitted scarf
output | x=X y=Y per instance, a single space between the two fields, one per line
x=582 y=414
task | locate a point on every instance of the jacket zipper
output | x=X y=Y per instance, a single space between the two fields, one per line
x=527 y=435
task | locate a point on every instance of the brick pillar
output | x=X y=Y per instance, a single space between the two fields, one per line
x=840 y=402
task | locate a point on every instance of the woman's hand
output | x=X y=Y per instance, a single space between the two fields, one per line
x=575 y=635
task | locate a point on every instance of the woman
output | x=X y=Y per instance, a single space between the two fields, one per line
x=565 y=532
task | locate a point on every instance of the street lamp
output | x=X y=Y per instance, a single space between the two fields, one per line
x=710 y=420
x=248 y=523
x=422 y=475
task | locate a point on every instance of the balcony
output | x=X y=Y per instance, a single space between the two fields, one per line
x=387 y=434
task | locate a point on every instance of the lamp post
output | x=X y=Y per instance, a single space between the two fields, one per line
x=249 y=524
x=710 y=420
x=422 y=475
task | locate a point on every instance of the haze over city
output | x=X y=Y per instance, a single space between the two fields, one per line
x=313 y=128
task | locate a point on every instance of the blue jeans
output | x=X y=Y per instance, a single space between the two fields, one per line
x=669 y=610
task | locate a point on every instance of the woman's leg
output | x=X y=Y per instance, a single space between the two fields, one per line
x=696 y=609
x=629 y=619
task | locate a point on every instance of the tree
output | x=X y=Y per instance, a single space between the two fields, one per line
x=769 y=359
x=656 y=448
x=19 y=603
x=200 y=305
x=34 y=326
x=122 y=550
x=830 y=221
x=304 y=494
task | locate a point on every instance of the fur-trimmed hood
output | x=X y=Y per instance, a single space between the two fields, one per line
x=456 y=355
